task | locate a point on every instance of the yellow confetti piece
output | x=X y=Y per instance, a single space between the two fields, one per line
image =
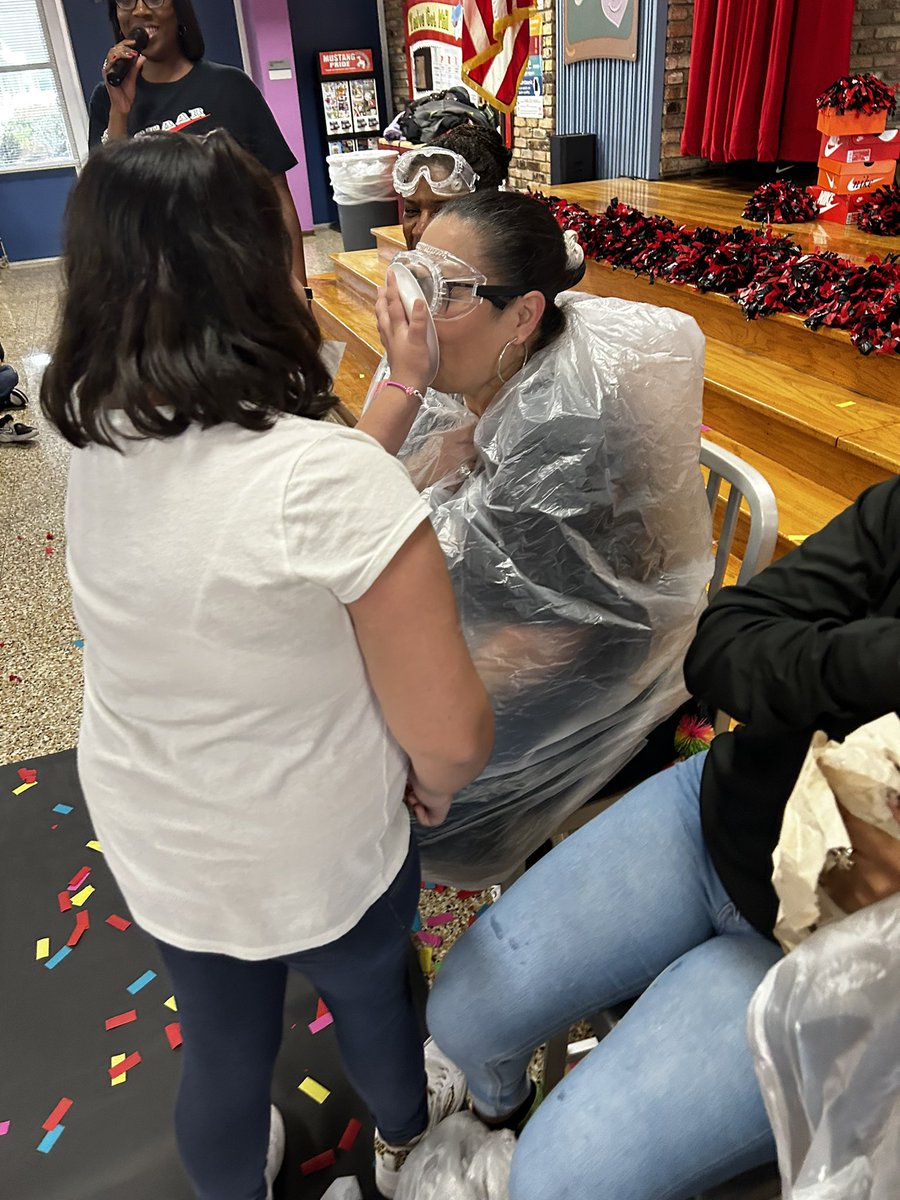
x=79 y=898
x=23 y=787
x=797 y=538
x=117 y=1058
x=170 y=1003
x=846 y=404
x=314 y=1090
x=94 y=846
x=42 y=950
x=426 y=957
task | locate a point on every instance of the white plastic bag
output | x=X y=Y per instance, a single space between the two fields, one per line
x=824 y=1026
x=461 y=1160
x=344 y=1189
x=362 y=176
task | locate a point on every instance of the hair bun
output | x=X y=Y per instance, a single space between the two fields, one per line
x=575 y=263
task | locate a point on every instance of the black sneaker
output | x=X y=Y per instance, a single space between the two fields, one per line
x=14 y=401
x=15 y=431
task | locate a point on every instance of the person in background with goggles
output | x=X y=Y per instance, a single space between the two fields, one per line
x=558 y=448
x=461 y=161
x=172 y=88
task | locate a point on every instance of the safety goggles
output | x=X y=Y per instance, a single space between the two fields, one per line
x=450 y=287
x=446 y=172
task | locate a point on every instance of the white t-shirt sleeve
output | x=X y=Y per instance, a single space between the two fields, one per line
x=348 y=508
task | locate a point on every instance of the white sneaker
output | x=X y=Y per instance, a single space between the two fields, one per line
x=446 y=1095
x=275 y=1156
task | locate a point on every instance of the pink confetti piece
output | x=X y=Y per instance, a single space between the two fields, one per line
x=445 y=918
x=430 y=939
x=4 y=1128
x=321 y=1023
x=77 y=880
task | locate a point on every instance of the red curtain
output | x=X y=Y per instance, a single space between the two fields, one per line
x=756 y=69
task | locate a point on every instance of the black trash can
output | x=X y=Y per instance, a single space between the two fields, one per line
x=364 y=194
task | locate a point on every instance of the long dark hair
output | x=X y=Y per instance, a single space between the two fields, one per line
x=190 y=35
x=524 y=247
x=179 y=293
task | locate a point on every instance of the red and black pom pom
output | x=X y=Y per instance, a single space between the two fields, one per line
x=881 y=214
x=862 y=93
x=781 y=202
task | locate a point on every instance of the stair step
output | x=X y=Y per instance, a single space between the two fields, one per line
x=389 y=239
x=804 y=507
x=362 y=271
x=808 y=425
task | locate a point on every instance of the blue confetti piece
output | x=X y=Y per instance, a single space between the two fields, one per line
x=49 y=1140
x=65 y=809
x=78 y=643
x=417 y=923
x=483 y=908
x=427 y=886
x=146 y=978
x=58 y=957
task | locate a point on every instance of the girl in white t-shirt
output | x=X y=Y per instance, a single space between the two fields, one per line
x=273 y=656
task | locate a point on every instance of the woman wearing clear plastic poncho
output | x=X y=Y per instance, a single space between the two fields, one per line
x=558 y=445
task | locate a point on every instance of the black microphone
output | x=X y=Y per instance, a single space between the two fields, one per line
x=118 y=72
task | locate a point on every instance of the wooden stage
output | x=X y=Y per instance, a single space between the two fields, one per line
x=819 y=420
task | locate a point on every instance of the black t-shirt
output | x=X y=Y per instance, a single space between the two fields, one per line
x=812 y=643
x=210 y=96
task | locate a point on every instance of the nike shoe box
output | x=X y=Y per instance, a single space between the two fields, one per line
x=848 y=179
x=860 y=147
x=832 y=122
x=842 y=209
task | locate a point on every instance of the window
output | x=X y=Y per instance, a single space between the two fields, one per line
x=34 y=128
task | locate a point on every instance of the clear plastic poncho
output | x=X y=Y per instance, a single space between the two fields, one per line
x=577 y=533
x=824 y=1027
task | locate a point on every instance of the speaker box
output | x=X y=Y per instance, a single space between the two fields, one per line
x=573 y=157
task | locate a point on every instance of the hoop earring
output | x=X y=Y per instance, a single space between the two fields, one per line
x=500 y=375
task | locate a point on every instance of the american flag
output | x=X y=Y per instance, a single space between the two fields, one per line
x=495 y=41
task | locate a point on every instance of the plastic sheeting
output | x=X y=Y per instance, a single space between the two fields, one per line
x=825 y=1030
x=362 y=176
x=575 y=526
x=461 y=1160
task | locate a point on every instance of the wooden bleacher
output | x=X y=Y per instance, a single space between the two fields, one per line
x=819 y=420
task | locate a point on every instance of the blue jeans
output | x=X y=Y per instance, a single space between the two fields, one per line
x=8 y=380
x=231 y=1014
x=668 y=1104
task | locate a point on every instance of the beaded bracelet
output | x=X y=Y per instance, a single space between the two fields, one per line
x=410 y=391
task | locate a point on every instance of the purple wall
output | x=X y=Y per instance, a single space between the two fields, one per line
x=268 y=28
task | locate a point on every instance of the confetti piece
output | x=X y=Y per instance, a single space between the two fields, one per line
x=54 y=827
x=58 y=957
x=321 y=1008
x=23 y=787
x=314 y=1090
x=466 y=895
x=85 y=894
x=64 y=901
x=351 y=1133
x=426 y=955
x=122 y=1019
x=27 y=774
x=320 y=1163
x=15 y=679
x=65 y=809
x=445 y=918
x=94 y=846
x=173 y=1033
x=78 y=643
x=481 y=910
x=50 y=1139
x=125 y=1064
x=440 y=887
x=4 y=1128
x=170 y=1003
x=417 y=923
x=147 y=977
x=797 y=538
x=49 y=537
x=77 y=880
x=846 y=404
x=42 y=949
x=321 y=1023
x=118 y=923
x=48 y=550
x=82 y=925
x=114 y=1062
x=430 y=939
x=57 y=1115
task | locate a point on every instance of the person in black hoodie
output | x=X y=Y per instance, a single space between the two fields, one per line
x=668 y=895
x=173 y=88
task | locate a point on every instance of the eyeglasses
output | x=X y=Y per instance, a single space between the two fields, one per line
x=446 y=172
x=131 y=5
x=451 y=287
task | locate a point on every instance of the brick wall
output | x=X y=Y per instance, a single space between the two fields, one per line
x=531 y=145
x=678 y=60
x=876 y=39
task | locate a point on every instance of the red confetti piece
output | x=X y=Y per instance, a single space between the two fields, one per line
x=440 y=887
x=15 y=679
x=48 y=549
x=64 y=902
x=124 y=1067
x=321 y=1009
x=466 y=895
x=57 y=1115
x=50 y=537
x=82 y=925
x=77 y=880
x=28 y=774
x=351 y=1133
x=118 y=923
x=320 y=1163
x=173 y=1033
x=122 y=1019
